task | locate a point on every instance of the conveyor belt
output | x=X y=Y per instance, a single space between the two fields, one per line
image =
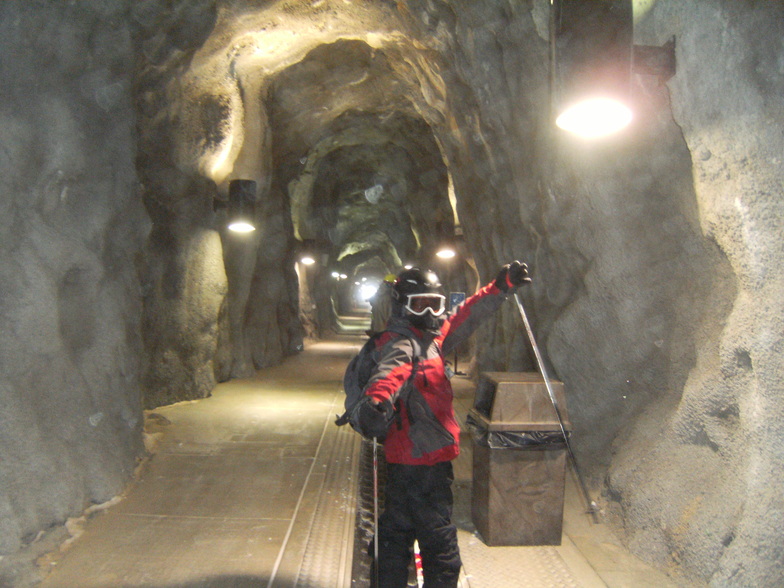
x=327 y=557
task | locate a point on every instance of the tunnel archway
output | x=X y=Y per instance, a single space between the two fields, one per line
x=472 y=79
x=655 y=255
x=332 y=129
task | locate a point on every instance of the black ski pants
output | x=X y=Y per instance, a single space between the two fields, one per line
x=418 y=506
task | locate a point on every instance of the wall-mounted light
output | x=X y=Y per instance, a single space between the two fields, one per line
x=591 y=62
x=592 y=58
x=241 y=206
x=451 y=245
x=307 y=253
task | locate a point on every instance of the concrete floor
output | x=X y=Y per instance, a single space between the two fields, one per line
x=255 y=486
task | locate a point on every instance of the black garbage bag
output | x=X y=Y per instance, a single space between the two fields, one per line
x=514 y=439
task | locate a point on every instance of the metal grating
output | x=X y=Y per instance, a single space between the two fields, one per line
x=328 y=552
x=491 y=567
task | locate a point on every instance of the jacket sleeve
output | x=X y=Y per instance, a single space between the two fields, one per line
x=392 y=371
x=471 y=314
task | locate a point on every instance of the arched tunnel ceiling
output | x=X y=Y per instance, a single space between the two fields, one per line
x=363 y=172
x=341 y=104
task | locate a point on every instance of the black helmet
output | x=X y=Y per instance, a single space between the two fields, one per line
x=415 y=281
x=418 y=293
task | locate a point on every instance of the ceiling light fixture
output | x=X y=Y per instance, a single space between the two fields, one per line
x=595 y=117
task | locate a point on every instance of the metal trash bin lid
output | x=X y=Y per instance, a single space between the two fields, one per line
x=518 y=401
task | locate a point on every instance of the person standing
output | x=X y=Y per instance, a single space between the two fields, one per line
x=408 y=405
x=381 y=305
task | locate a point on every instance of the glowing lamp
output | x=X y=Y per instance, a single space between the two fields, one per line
x=241 y=206
x=591 y=44
x=241 y=226
x=594 y=117
x=367 y=290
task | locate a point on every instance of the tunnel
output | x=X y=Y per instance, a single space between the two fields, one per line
x=373 y=134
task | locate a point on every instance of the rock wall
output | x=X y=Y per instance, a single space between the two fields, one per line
x=657 y=293
x=217 y=305
x=72 y=228
x=706 y=488
x=655 y=255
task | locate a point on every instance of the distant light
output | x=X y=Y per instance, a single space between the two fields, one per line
x=335 y=275
x=367 y=290
x=307 y=260
x=408 y=266
x=241 y=227
x=343 y=276
x=446 y=253
x=595 y=117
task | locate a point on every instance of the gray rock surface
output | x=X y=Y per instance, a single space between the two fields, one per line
x=708 y=491
x=72 y=226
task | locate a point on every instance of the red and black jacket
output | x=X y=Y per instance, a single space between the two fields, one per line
x=430 y=379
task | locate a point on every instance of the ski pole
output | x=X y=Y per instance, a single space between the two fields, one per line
x=375 y=509
x=592 y=506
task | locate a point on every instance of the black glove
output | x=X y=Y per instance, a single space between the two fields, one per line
x=512 y=275
x=372 y=419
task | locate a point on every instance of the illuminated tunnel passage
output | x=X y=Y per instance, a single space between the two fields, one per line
x=363 y=137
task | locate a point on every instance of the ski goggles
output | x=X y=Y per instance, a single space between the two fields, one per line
x=419 y=304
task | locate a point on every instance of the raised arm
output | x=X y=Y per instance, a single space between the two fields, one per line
x=484 y=304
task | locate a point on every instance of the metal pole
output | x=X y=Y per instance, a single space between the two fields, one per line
x=592 y=506
x=375 y=509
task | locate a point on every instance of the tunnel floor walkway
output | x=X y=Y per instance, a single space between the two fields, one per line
x=255 y=486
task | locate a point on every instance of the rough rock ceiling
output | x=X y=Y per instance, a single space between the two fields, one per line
x=363 y=172
x=324 y=111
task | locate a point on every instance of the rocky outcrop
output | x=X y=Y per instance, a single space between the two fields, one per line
x=705 y=488
x=72 y=229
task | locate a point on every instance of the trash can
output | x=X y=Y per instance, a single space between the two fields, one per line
x=519 y=459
